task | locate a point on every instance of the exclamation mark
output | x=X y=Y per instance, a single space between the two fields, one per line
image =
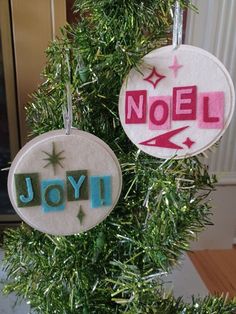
x=102 y=191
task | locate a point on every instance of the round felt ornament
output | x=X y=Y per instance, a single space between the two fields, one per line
x=178 y=102
x=64 y=184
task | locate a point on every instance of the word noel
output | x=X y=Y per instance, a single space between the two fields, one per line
x=51 y=194
x=185 y=104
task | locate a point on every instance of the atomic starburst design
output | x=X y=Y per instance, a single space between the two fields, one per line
x=188 y=142
x=81 y=215
x=154 y=78
x=54 y=159
x=175 y=67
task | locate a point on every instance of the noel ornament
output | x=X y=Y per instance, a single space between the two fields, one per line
x=64 y=184
x=178 y=103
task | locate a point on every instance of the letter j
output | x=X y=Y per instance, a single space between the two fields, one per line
x=30 y=193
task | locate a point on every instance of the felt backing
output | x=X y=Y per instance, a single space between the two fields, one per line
x=84 y=155
x=189 y=71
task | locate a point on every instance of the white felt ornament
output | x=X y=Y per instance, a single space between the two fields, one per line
x=178 y=103
x=64 y=184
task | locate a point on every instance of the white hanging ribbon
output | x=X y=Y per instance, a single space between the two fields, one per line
x=178 y=25
x=53 y=24
x=67 y=113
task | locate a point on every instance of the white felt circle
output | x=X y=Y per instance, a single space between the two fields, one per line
x=186 y=66
x=80 y=151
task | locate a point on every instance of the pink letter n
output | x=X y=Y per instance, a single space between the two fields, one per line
x=135 y=107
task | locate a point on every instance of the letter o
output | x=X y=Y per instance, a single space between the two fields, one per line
x=165 y=109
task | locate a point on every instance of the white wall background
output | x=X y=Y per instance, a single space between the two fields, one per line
x=214 y=29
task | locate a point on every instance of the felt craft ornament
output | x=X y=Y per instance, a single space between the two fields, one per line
x=178 y=103
x=64 y=184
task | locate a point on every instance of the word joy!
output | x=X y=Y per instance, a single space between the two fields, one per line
x=183 y=105
x=51 y=194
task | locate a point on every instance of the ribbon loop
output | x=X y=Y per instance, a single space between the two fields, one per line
x=178 y=25
x=67 y=113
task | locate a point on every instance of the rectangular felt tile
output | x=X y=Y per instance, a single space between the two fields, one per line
x=211 y=110
x=27 y=189
x=160 y=117
x=185 y=103
x=53 y=195
x=101 y=191
x=77 y=188
x=135 y=107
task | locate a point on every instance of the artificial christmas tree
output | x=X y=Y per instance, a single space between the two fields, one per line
x=117 y=266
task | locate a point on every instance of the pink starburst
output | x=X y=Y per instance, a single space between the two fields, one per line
x=188 y=142
x=175 y=66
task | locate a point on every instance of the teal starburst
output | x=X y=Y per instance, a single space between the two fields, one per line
x=54 y=159
x=81 y=215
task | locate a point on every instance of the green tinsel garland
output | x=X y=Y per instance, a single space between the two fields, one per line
x=117 y=266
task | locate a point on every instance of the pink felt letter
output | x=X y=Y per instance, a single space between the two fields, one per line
x=135 y=107
x=211 y=110
x=184 y=103
x=159 y=112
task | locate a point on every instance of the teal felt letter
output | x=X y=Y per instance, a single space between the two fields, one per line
x=76 y=185
x=30 y=192
x=27 y=189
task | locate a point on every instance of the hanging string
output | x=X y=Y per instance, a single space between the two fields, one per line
x=52 y=9
x=67 y=113
x=178 y=25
